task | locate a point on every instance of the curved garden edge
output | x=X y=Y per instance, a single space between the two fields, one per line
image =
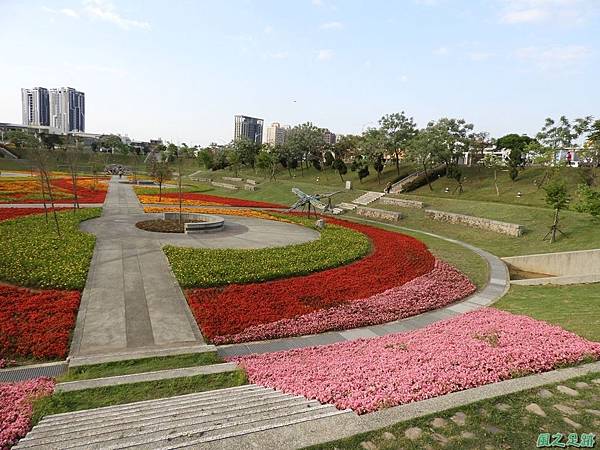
x=496 y=287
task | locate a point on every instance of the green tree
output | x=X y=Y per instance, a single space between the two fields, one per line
x=555 y=136
x=452 y=139
x=494 y=163
x=206 y=157
x=373 y=145
x=589 y=200
x=305 y=142
x=268 y=160
x=397 y=130
x=234 y=159
x=340 y=166
x=422 y=149
x=113 y=143
x=517 y=145
x=51 y=140
x=558 y=198
x=360 y=165
x=160 y=171
x=22 y=140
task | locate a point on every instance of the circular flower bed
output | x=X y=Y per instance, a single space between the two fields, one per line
x=224 y=313
x=164 y=225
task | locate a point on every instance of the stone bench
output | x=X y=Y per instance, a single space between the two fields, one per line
x=510 y=229
x=378 y=213
x=253 y=182
x=232 y=179
x=250 y=187
x=401 y=202
x=202 y=180
x=209 y=222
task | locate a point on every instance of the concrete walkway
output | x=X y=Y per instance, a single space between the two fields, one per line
x=496 y=287
x=131 y=300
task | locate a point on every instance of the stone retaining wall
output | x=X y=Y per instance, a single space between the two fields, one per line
x=249 y=181
x=231 y=178
x=202 y=180
x=224 y=185
x=378 y=213
x=403 y=203
x=510 y=229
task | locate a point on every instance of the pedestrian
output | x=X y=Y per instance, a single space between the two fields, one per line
x=388 y=187
x=569 y=158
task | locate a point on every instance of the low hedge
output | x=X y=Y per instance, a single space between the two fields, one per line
x=32 y=255
x=198 y=268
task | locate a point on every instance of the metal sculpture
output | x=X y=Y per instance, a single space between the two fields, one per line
x=312 y=201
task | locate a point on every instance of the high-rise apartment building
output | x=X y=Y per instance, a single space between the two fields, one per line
x=67 y=110
x=276 y=133
x=328 y=137
x=248 y=128
x=36 y=107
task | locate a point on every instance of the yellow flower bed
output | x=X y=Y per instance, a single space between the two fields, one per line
x=219 y=211
x=20 y=187
x=144 y=198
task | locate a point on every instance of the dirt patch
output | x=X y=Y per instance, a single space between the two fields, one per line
x=164 y=226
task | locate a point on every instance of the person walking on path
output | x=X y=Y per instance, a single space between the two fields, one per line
x=388 y=187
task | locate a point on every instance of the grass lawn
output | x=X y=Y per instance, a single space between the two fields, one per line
x=575 y=308
x=479 y=185
x=196 y=267
x=33 y=255
x=498 y=423
x=581 y=229
x=468 y=262
x=131 y=366
x=61 y=402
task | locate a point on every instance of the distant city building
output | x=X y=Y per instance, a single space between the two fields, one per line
x=67 y=110
x=36 y=107
x=248 y=128
x=277 y=134
x=328 y=137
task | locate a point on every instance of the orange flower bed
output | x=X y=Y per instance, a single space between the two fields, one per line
x=154 y=199
x=30 y=191
x=218 y=211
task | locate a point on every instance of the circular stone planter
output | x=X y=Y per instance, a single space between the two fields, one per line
x=204 y=222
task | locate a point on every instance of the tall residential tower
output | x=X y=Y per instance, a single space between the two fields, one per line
x=67 y=110
x=276 y=133
x=36 y=106
x=249 y=128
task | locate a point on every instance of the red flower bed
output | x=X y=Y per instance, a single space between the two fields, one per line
x=36 y=324
x=396 y=259
x=85 y=193
x=229 y=201
x=11 y=213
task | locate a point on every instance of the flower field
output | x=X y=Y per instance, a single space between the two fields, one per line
x=16 y=407
x=435 y=289
x=198 y=267
x=29 y=190
x=470 y=350
x=31 y=254
x=36 y=324
x=197 y=199
x=225 y=313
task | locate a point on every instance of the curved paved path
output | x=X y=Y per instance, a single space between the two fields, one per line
x=131 y=301
x=496 y=287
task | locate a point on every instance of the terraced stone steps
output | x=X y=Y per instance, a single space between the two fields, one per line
x=347 y=206
x=368 y=197
x=177 y=421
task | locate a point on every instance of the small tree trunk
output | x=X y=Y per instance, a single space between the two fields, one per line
x=554 y=226
x=160 y=191
x=341 y=176
x=44 y=196
x=180 y=196
x=49 y=186
x=397 y=163
x=427 y=177
x=496 y=183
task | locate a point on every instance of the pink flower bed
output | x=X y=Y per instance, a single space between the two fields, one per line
x=16 y=407
x=439 y=287
x=473 y=349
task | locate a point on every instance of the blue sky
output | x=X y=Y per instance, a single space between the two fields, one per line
x=181 y=69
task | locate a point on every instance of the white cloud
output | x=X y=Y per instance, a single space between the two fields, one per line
x=565 y=12
x=403 y=79
x=105 y=10
x=553 y=58
x=65 y=11
x=441 y=51
x=324 y=55
x=331 y=26
x=268 y=29
x=317 y=2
